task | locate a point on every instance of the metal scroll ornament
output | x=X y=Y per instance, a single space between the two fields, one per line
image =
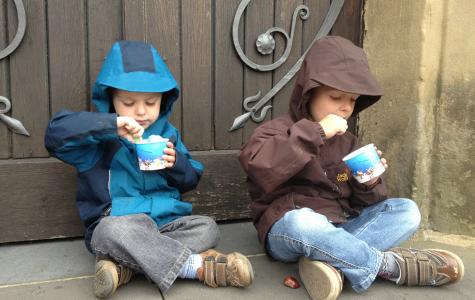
x=255 y=106
x=14 y=125
x=21 y=15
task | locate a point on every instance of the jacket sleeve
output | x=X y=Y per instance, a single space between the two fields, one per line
x=272 y=156
x=365 y=196
x=362 y=195
x=186 y=172
x=76 y=137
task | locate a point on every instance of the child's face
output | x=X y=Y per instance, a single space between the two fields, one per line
x=143 y=107
x=326 y=100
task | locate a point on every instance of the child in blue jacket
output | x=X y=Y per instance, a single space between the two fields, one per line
x=135 y=220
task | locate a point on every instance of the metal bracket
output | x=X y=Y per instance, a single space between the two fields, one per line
x=258 y=105
x=265 y=42
x=20 y=33
x=14 y=125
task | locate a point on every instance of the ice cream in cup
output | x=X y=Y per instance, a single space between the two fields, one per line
x=150 y=152
x=364 y=163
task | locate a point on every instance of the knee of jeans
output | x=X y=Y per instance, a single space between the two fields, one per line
x=299 y=222
x=107 y=233
x=211 y=232
x=410 y=213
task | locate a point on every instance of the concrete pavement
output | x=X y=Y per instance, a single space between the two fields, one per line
x=63 y=269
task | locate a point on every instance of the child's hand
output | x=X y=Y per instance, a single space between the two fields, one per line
x=385 y=165
x=333 y=125
x=128 y=128
x=170 y=156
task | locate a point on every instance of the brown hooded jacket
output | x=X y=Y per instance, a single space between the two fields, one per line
x=289 y=162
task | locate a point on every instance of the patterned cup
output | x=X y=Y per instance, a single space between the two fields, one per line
x=150 y=155
x=364 y=163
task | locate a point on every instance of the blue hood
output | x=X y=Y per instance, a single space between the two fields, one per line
x=135 y=66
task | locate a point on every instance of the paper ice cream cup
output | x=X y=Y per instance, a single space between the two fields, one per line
x=150 y=152
x=364 y=163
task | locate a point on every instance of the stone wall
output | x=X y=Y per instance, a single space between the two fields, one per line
x=423 y=53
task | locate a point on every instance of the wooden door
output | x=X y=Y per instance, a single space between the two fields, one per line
x=59 y=58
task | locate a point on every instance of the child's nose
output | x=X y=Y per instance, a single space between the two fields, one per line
x=140 y=109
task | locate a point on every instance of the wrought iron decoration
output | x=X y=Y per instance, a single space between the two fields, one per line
x=256 y=108
x=14 y=125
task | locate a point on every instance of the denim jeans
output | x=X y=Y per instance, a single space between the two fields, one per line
x=136 y=241
x=354 y=247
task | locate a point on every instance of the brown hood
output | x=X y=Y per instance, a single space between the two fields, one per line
x=335 y=62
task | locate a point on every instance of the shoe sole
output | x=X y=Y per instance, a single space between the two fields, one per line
x=104 y=282
x=319 y=279
x=459 y=262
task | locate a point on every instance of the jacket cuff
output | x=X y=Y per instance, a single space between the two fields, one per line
x=308 y=132
x=321 y=131
x=363 y=187
x=180 y=165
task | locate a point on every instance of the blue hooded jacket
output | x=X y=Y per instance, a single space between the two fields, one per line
x=109 y=178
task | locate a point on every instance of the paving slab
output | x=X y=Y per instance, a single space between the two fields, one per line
x=63 y=269
x=39 y=261
x=240 y=237
x=67 y=258
x=78 y=289
x=268 y=277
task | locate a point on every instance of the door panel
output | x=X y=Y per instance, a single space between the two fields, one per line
x=60 y=56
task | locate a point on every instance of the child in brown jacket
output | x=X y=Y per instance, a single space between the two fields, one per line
x=306 y=205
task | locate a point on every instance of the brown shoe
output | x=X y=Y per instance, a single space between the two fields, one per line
x=109 y=277
x=321 y=280
x=427 y=267
x=225 y=269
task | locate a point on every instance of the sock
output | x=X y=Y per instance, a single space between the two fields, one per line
x=389 y=268
x=188 y=271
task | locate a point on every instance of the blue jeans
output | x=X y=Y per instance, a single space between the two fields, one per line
x=354 y=247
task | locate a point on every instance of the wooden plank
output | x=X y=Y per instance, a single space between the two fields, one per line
x=348 y=25
x=67 y=55
x=284 y=10
x=197 y=83
x=5 y=135
x=29 y=79
x=39 y=202
x=259 y=17
x=222 y=191
x=134 y=20
x=163 y=29
x=104 y=28
x=318 y=11
x=228 y=89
